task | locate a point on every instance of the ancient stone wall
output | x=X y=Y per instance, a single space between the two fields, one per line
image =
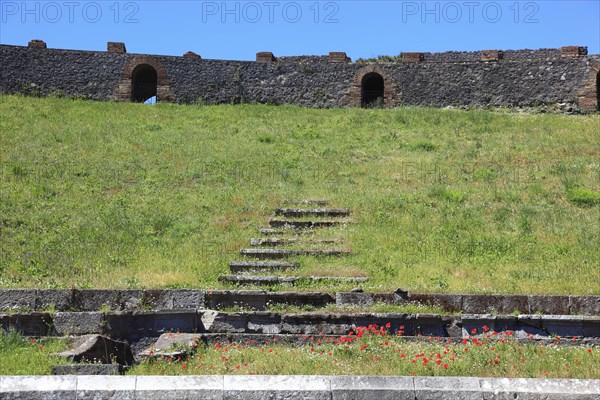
x=518 y=78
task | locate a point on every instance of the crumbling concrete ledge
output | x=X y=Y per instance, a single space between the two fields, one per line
x=293 y=387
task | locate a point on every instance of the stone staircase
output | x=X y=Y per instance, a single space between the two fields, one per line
x=290 y=235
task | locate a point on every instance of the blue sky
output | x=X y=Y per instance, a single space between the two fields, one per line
x=238 y=29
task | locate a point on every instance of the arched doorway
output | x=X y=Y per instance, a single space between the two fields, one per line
x=144 y=83
x=372 y=89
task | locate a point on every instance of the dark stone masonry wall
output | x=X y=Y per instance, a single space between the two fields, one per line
x=521 y=78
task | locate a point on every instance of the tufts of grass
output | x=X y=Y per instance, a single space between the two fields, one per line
x=380 y=353
x=96 y=195
x=583 y=197
x=23 y=356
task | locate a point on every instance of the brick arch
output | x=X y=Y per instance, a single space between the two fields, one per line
x=391 y=95
x=163 y=89
x=589 y=98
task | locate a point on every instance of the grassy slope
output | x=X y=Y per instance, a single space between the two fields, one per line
x=126 y=195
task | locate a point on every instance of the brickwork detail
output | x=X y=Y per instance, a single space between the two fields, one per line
x=522 y=78
x=588 y=96
x=265 y=56
x=40 y=44
x=573 y=51
x=116 y=47
x=391 y=95
x=492 y=55
x=163 y=89
x=338 y=57
x=412 y=57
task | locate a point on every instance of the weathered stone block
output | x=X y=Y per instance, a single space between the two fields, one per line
x=171 y=345
x=78 y=323
x=263 y=322
x=276 y=387
x=480 y=303
x=59 y=300
x=534 y=389
x=435 y=388
x=157 y=299
x=176 y=321
x=354 y=299
x=250 y=299
x=315 y=299
x=448 y=302
x=430 y=325
x=513 y=303
x=226 y=322
x=38 y=387
x=562 y=325
x=31 y=324
x=12 y=299
x=556 y=305
x=116 y=47
x=180 y=387
x=100 y=387
x=506 y=323
x=95 y=300
x=130 y=300
x=591 y=327
x=187 y=299
x=98 y=349
x=586 y=305
x=372 y=387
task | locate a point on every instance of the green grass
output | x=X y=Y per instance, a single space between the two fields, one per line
x=21 y=356
x=96 y=195
x=371 y=354
x=384 y=355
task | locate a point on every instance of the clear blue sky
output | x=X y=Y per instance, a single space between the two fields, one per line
x=238 y=29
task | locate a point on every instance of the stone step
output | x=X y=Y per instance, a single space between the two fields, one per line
x=279 y=232
x=172 y=345
x=244 y=266
x=286 y=223
x=290 y=280
x=314 y=212
x=275 y=254
x=272 y=242
x=307 y=202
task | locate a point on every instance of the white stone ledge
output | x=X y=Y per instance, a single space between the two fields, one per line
x=242 y=387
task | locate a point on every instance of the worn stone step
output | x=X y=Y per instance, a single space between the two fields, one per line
x=274 y=254
x=244 y=266
x=286 y=223
x=307 y=202
x=280 y=232
x=272 y=242
x=273 y=279
x=312 y=212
